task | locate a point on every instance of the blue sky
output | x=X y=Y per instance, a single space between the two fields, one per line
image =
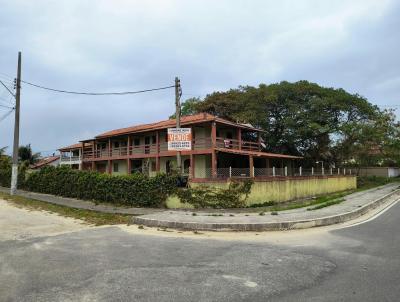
x=211 y=45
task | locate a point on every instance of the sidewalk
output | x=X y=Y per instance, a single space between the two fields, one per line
x=355 y=205
x=83 y=204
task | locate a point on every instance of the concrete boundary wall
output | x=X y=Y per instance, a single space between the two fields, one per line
x=283 y=189
x=379 y=171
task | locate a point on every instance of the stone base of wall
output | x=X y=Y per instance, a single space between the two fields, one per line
x=283 y=189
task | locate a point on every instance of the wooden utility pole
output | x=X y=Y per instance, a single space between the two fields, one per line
x=178 y=119
x=14 y=175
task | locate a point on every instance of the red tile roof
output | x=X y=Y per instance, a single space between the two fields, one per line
x=258 y=153
x=185 y=120
x=74 y=146
x=44 y=161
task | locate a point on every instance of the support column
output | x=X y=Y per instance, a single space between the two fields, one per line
x=214 y=134
x=192 y=165
x=214 y=164
x=158 y=151
x=109 y=162
x=81 y=156
x=213 y=152
x=259 y=141
x=251 y=165
x=128 y=152
x=239 y=138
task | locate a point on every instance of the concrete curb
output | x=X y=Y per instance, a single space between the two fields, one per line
x=268 y=226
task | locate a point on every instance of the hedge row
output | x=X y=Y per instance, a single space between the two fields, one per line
x=5 y=177
x=131 y=190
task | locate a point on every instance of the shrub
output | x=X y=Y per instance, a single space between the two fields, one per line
x=5 y=173
x=210 y=197
x=130 y=190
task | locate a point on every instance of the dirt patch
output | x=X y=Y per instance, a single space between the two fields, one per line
x=20 y=223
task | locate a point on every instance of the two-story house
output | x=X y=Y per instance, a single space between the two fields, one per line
x=220 y=149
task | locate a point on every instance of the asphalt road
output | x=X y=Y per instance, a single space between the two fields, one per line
x=359 y=263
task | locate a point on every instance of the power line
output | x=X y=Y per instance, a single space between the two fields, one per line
x=6 y=115
x=97 y=93
x=8 y=89
x=7 y=107
x=6 y=76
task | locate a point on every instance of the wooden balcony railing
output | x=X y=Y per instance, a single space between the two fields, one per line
x=197 y=144
x=229 y=143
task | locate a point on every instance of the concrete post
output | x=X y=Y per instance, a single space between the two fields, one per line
x=285 y=170
x=338 y=171
x=230 y=172
x=331 y=171
x=300 y=171
x=273 y=171
x=312 y=170
x=344 y=171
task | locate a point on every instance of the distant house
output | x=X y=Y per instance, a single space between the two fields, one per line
x=46 y=161
x=219 y=149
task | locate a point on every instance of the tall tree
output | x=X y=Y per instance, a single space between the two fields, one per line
x=301 y=118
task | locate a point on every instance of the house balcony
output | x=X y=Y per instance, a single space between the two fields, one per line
x=148 y=150
x=70 y=160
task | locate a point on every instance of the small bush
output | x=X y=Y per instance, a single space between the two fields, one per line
x=210 y=197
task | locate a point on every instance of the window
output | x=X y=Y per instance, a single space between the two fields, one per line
x=153 y=166
x=116 y=168
x=136 y=141
x=153 y=139
x=116 y=144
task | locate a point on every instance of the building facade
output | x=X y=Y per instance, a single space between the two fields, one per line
x=220 y=149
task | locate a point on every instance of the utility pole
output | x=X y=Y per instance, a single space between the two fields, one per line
x=178 y=92
x=14 y=175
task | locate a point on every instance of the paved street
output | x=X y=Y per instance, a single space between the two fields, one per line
x=357 y=263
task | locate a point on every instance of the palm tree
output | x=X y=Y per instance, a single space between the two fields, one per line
x=26 y=155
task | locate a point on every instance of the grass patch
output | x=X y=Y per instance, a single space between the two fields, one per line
x=369 y=182
x=90 y=217
x=311 y=202
x=264 y=204
x=326 y=204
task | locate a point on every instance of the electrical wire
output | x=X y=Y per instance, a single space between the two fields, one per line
x=6 y=115
x=8 y=89
x=97 y=93
x=4 y=106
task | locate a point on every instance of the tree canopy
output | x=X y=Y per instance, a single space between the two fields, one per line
x=27 y=156
x=305 y=119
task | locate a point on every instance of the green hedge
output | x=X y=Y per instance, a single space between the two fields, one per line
x=131 y=190
x=5 y=177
